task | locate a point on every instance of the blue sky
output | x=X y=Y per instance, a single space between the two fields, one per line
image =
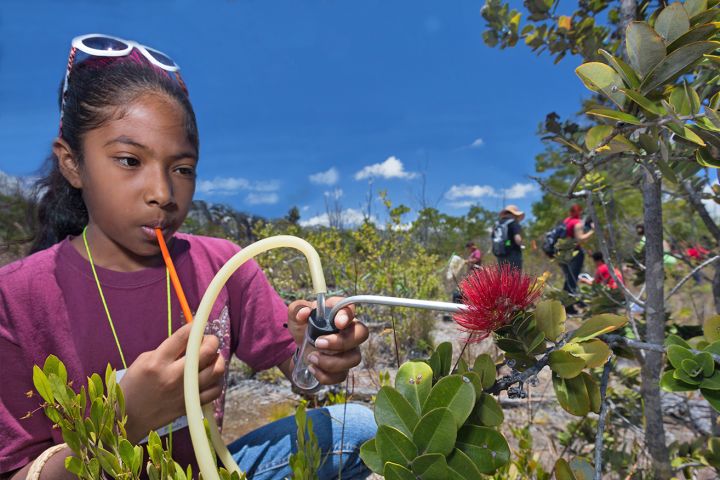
x=298 y=102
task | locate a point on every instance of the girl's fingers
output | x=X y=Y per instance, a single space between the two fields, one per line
x=335 y=364
x=347 y=339
x=212 y=375
x=328 y=378
x=209 y=395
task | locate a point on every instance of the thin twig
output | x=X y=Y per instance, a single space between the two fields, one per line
x=689 y=275
x=601 y=420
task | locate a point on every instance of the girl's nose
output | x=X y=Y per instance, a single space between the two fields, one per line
x=158 y=188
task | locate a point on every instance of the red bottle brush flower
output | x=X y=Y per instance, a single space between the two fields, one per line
x=494 y=296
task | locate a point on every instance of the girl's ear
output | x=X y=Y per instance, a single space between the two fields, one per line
x=67 y=162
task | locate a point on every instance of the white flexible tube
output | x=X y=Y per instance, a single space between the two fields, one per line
x=195 y=412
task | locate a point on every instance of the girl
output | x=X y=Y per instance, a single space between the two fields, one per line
x=575 y=228
x=96 y=291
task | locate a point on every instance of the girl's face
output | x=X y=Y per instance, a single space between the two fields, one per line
x=138 y=173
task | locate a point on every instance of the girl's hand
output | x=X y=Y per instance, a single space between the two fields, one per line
x=153 y=384
x=337 y=353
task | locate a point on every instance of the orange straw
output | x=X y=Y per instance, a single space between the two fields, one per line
x=174 y=277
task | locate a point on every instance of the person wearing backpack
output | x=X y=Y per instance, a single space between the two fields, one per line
x=506 y=237
x=575 y=229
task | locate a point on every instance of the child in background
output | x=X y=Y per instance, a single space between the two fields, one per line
x=96 y=291
x=602 y=273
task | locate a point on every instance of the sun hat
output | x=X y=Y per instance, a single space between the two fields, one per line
x=514 y=211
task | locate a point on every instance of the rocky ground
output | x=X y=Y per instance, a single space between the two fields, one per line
x=253 y=401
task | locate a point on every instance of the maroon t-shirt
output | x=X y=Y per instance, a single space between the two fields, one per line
x=49 y=304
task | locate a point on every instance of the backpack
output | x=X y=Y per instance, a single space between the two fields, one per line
x=552 y=236
x=500 y=240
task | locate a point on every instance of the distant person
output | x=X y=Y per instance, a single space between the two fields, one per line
x=669 y=260
x=507 y=238
x=602 y=273
x=575 y=228
x=474 y=259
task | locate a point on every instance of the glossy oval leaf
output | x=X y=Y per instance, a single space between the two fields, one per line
x=671 y=384
x=601 y=78
x=596 y=139
x=677 y=354
x=484 y=366
x=695 y=7
x=565 y=364
x=461 y=467
x=550 y=318
x=394 y=471
x=582 y=469
x=623 y=69
x=598 y=325
x=455 y=393
x=614 y=115
x=572 y=395
x=371 y=457
x=486 y=447
x=392 y=409
x=696 y=34
x=435 y=432
x=487 y=412
x=645 y=48
x=594 y=352
x=393 y=446
x=672 y=22
x=645 y=103
x=431 y=466
x=563 y=471
x=711 y=328
x=676 y=63
x=593 y=391
x=712 y=382
x=414 y=382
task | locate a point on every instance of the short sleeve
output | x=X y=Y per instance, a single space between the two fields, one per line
x=22 y=437
x=258 y=314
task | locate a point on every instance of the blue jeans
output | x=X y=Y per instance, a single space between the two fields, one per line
x=263 y=453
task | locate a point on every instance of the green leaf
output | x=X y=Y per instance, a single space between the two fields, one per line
x=672 y=22
x=714 y=347
x=593 y=391
x=393 y=446
x=597 y=135
x=431 y=466
x=681 y=101
x=462 y=366
x=582 y=469
x=444 y=352
x=712 y=116
x=676 y=354
x=649 y=106
x=691 y=367
x=435 y=432
x=601 y=78
x=74 y=465
x=414 y=382
x=127 y=452
x=42 y=385
x=645 y=48
x=392 y=409
x=697 y=34
x=614 y=115
x=671 y=384
x=572 y=395
x=706 y=362
x=623 y=69
x=676 y=63
x=675 y=340
x=54 y=365
x=598 y=325
x=695 y=7
x=565 y=364
x=594 y=352
x=712 y=382
x=487 y=412
x=711 y=328
x=455 y=393
x=486 y=447
x=706 y=159
x=681 y=375
x=394 y=471
x=461 y=467
x=550 y=318
x=563 y=471
x=713 y=398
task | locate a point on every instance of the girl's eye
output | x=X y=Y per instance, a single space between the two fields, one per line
x=128 y=161
x=186 y=171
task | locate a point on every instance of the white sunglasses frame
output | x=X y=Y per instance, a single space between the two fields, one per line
x=77 y=42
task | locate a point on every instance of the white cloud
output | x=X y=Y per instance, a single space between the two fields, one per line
x=329 y=177
x=222 y=186
x=350 y=218
x=520 y=190
x=262 y=198
x=335 y=194
x=305 y=208
x=462 y=196
x=710 y=205
x=266 y=186
x=390 y=168
x=477 y=143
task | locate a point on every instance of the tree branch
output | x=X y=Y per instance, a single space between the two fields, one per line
x=601 y=420
x=689 y=275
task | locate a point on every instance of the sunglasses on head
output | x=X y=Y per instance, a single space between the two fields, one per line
x=100 y=45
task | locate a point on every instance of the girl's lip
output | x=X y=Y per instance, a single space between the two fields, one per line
x=150 y=231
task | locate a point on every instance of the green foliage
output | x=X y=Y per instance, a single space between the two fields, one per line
x=433 y=424
x=99 y=440
x=690 y=371
x=306 y=462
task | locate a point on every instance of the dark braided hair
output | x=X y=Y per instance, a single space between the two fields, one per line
x=99 y=90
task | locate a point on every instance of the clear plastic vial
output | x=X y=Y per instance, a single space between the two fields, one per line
x=301 y=375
